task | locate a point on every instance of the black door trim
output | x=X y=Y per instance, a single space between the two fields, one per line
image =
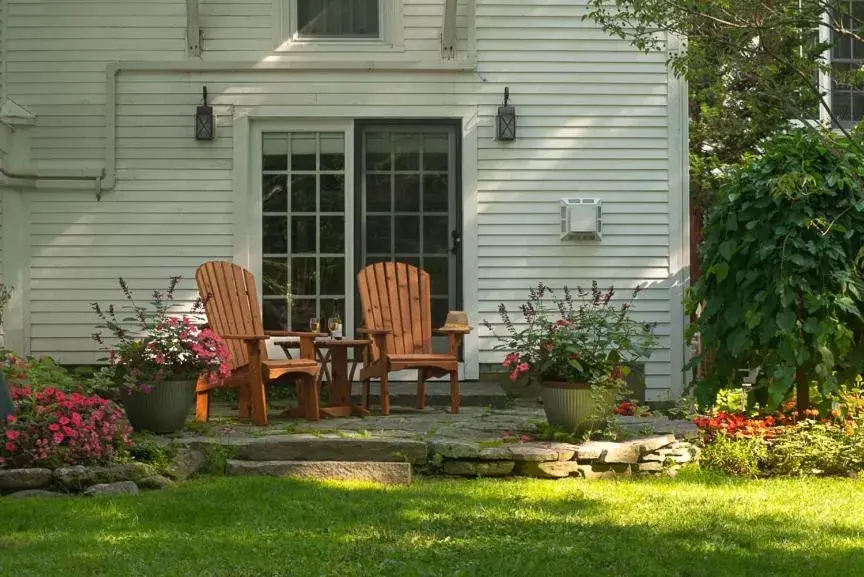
x=359 y=127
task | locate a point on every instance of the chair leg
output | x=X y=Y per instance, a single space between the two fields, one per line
x=202 y=407
x=385 y=395
x=367 y=385
x=258 y=400
x=244 y=401
x=454 y=392
x=311 y=400
x=421 y=389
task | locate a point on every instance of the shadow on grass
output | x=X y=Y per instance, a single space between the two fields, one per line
x=232 y=527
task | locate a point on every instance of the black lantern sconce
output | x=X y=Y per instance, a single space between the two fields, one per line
x=506 y=120
x=205 y=127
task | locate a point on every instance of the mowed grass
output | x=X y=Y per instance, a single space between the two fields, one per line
x=691 y=526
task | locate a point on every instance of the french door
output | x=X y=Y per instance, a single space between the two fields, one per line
x=408 y=205
x=403 y=206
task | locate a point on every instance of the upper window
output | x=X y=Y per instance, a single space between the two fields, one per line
x=336 y=19
x=847 y=56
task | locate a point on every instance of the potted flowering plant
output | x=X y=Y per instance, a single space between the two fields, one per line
x=578 y=347
x=157 y=358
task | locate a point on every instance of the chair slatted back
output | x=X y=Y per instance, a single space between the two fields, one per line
x=231 y=303
x=395 y=297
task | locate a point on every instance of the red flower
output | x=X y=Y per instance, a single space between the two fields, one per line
x=10 y=446
x=12 y=435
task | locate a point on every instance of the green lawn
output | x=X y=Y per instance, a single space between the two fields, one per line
x=692 y=526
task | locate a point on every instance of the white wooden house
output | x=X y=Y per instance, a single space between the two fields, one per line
x=346 y=131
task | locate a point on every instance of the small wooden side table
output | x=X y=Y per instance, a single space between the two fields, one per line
x=335 y=351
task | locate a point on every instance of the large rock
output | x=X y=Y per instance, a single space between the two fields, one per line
x=22 y=479
x=548 y=469
x=494 y=454
x=388 y=473
x=604 y=471
x=155 y=482
x=456 y=449
x=652 y=467
x=310 y=448
x=532 y=453
x=79 y=477
x=565 y=451
x=651 y=444
x=607 y=452
x=186 y=463
x=34 y=493
x=120 y=488
x=478 y=468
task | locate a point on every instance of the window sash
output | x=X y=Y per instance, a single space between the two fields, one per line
x=337 y=19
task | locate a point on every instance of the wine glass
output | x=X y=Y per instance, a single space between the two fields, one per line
x=314 y=325
x=333 y=324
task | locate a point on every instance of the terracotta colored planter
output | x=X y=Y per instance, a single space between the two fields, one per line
x=571 y=406
x=163 y=410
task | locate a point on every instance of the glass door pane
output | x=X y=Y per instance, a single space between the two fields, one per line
x=408 y=206
x=303 y=228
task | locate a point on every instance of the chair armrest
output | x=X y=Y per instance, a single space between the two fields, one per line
x=453 y=331
x=300 y=334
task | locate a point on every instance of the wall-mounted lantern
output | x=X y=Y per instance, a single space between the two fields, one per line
x=205 y=128
x=506 y=120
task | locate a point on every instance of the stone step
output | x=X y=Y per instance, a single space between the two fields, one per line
x=471 y=394
x=376 y=472
x=312 y=448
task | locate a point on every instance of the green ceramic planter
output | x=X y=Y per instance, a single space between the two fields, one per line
x=6 y=407
x=163 y=410
x=571 y=406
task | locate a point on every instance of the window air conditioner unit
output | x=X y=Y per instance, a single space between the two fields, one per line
x=581 y=219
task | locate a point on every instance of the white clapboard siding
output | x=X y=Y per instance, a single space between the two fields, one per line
x=593 y=122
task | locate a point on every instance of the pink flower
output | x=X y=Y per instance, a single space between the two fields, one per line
x=58 y=438
x=12 y=435
x=11 y=419
x=10 y=446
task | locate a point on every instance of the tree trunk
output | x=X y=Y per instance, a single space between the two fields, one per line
x=802 y=392
x=802 y=387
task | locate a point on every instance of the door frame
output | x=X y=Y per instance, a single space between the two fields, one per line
x=454 y=124
x=248 y=126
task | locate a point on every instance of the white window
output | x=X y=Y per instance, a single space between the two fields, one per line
x=329 y=25
x=335 y=19
x=847 y=56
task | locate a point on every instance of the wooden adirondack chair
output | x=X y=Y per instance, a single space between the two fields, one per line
x=231 y=302
x=397 y=316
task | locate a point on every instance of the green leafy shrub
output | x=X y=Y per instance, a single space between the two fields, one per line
x=782 y=288
x=739 y=457
x=812 y=448
x=41 y=373
x=147 y=449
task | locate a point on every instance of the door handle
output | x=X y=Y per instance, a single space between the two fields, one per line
x=457 y=241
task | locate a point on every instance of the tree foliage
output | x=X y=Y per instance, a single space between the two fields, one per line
x=783 y=287
x=752 y=66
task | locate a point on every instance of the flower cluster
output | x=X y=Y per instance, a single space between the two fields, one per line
x=163 y=347
x=51 y=428
x=625 y=409
x=583 y=336
x=737 y=425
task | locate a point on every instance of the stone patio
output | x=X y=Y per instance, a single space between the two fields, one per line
x=472 y=424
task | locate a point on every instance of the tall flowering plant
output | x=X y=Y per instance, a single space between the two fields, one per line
x=152 y=344
x=583 y=336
